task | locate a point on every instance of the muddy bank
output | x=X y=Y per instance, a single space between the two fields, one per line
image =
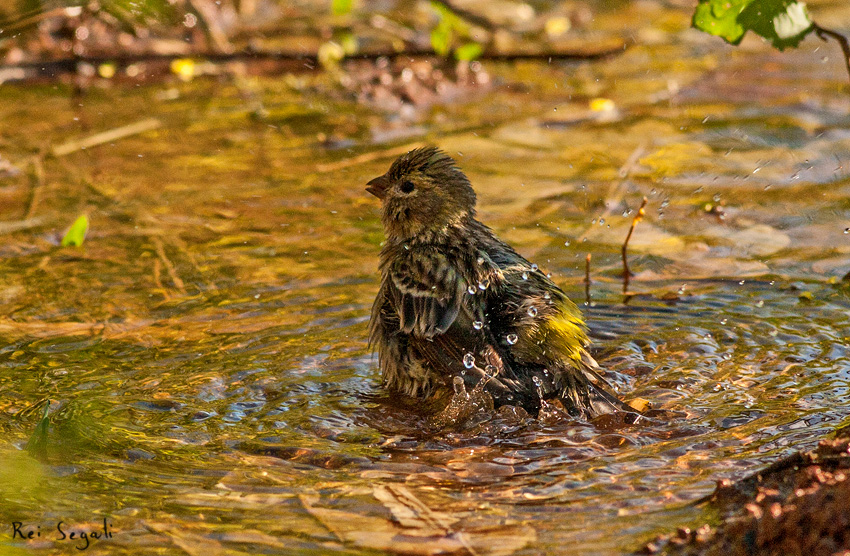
x=798 y=505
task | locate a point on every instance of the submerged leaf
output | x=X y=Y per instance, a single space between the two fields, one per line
x=420 y=530
x=76 y=234
x=37 y=443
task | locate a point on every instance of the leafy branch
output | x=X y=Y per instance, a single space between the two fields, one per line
x=450 y=29
x=782 y=22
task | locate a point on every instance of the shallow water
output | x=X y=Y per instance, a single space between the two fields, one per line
x=204 y=353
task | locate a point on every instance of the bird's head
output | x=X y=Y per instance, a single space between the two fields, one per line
x=423 y=191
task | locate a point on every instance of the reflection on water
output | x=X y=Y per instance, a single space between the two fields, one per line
x=204 y=353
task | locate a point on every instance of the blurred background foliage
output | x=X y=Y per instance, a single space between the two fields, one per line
x=331 y=30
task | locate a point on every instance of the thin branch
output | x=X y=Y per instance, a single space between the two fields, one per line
x=106 y=136
x=824 y=34
x=37 y=184
x=470 y=17
x=626 y=272
x=366 y=157
x=295 y=61
x=169 y=266
x=617 y=189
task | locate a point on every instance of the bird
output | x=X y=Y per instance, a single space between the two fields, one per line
x=456 y=304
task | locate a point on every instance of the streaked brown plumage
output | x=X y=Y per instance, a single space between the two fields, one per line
x=456 y=301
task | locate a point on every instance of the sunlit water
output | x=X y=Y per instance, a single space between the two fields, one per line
x=204 y=354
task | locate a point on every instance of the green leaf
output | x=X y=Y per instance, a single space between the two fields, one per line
x=469 y=51
x=341 y=7
x=37 y=443
x=76 y=234
x=441 y=38
x=720 y=18
x=348 y=42
x=783 y=22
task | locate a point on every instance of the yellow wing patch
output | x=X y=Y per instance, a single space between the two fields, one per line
x=561 y=336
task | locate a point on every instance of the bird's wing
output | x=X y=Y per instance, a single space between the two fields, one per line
x=433 y=305
x=472 y=354
x=427 y=293
x=551 y=335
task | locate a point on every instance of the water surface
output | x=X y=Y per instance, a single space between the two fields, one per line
x=204 y=353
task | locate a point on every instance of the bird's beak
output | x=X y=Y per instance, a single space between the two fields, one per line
x=378 y=186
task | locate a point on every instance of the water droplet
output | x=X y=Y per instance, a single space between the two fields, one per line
x=512 y=339
x=406 y=247
x=483 y=285
x=548 y=275
x=480 y=260
x=547 y=295
x=567 y=243
x=601 y=221
x=468 y=360
x=459 y=387
x=532 y=311
x=491 y=371
x=471 y=290
x=534 y=267
x=538 y=382
x=525 y=274
x=478 y=325
x=760 y=303
x=723 y=321
x=741 y=283
x=847 y=230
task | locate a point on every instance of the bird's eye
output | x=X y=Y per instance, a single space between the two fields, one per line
x=406 y=187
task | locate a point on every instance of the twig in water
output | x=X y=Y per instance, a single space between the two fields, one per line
x=169 y=266
x=37 y=183
x=587 y=278
x=824 y=34
x=366 y=157
x=157 y=277
x=8 y=227
x=626 y=272
x=106 y=136
x=617 y=190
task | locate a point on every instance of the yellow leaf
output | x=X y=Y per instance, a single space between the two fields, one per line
x=639 y=404
x=184 y=68
x=106 y=71
x=602 y=105
x=556 y=26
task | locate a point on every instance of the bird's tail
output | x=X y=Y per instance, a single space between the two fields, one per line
x=589 y=393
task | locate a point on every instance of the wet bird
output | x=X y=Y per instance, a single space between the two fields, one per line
x=456 y=301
